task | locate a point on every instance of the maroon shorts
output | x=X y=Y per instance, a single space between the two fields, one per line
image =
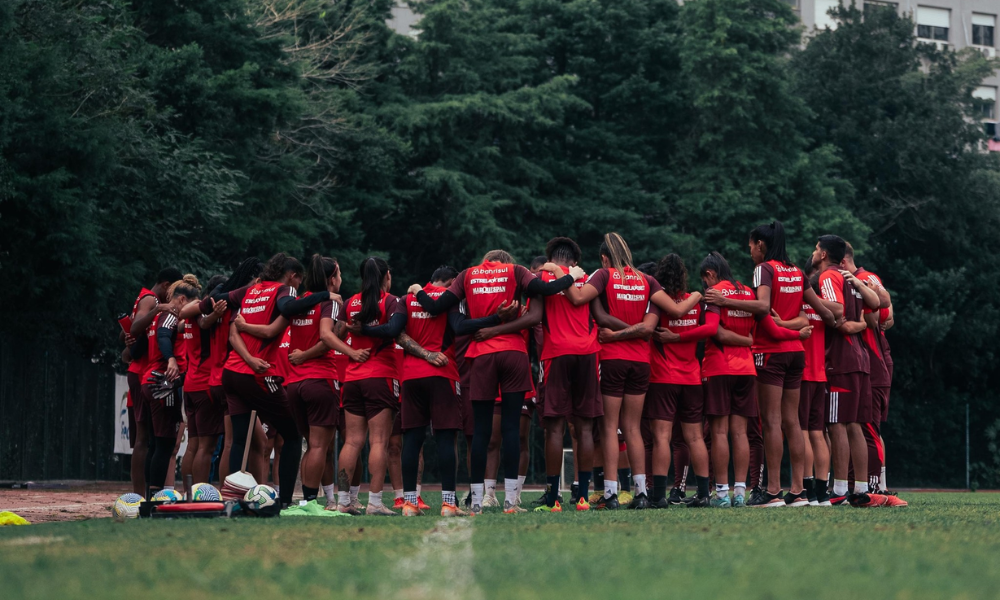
x=218 y=394
x=507 y=371
x=314 y=403
x=880 y=404
x=204 y=414
x=812 y=406
x=619 y=377
x=731 y=395
x=134 y=414
x=669 y=401
x=246 y=392
x=780 y=369
x=572 y=387
x=369 y=397
x=849 y=398
x=435 y=401
x=164 y=419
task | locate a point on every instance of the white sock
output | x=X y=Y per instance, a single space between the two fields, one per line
x=418 y=489
x=447 y=497
x=277 y=489
x=881 y=480
x=491 y=487
x=344 y=498
x=610 y=487
x=722 y=490
x=740 y=488
x=477 y=494
x=328 y=492
x=168 y=487
x=860 y=487
x=399 y=493
x=839 y=487
x=510 y=490
x=640 y=484
x=520 y=486
x=410 y=497
x=375 y=498
x=355 y=490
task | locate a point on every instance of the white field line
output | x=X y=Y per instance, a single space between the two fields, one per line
x=32 y=540
x=441 y=567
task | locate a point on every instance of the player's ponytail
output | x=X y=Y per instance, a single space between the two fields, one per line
x=373 y=272
x=321 y=269
x=617 y=252
x=715 y=262
x=672 y=275
x=188 y=287
x=247 y=271
x=773 y=236
x=278 y=265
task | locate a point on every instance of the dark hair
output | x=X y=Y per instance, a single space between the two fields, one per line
x=773 y=236
x=499 y=256
x=563 y=249
x=278 y=265
x=246 y=272
x=672 y=275
x=834 y=246
x=321 y=269
x=615 y=248
x=647 y=268
x=848 y=250
x=444 y=273
x=537 y=262
x=169 y=275
x=811 y=273
x=214 y=282
x=715 y=262
x=373 y=271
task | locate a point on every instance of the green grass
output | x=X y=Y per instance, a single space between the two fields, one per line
x=941 y=546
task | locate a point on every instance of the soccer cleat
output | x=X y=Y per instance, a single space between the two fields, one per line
x=411 y=510
x=625 y=497
x=608 y=503
x=595 y=497
x=739 y=501
x=539 y=501
x=639 y=502
x=800 y=499
x=574 y=493
x=468 y=500
x=476 y=509
x=451 y=510
x=421 y=504
x=549 y=509
x=721 y=502
x=676 y=497
x=582 y=504
x=510 y=508
x=771 y=500
x=661 y=503
x=892 y=501
x=839 y=500
x=490 y=502
x=398 y=503
x=356 y=505
x=379 y=511
x=697 y=502
x=346 y=509
x=756 y=497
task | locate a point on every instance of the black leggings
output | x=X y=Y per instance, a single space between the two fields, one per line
x=413 y=440
x=291 y=451
x=158 y=461
x=510 y=429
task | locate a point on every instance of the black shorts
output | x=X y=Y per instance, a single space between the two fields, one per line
x=880 y=404
x=670 y=402
x=204 y=414
x=620 y=377
x=731 y=395
x=369 y=397
x=432 y=401
x=507 y=371
x=780 y=369
x=314 y=403
x=812 y=406
x=266 y=395
x=849 y=398
x=163 y=415
x=572 y=387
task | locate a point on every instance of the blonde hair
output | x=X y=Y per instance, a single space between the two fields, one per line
x=188 y=285
x=615 y=248
x=500 y=256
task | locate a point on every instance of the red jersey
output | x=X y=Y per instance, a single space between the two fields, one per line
x=730 y=360
x=304 y=334
x=283 y=368
x=259 y=307
x=138 y=366
x=567 y=329
x=873 y=338
x=815 y=347
x=432 y=333
x=341 y=361
x=844 y=353
x=220 y=348
x=154 y=358
x=197 y=349
x=626 y=299
x=383 y=360
x=676 y=363
x=484 y=288
x=786 y=283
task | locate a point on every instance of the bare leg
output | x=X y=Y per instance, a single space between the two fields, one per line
x=793 y=435
x=720 y=448
x=740 y=445
x=379 y=431
x=769 y=403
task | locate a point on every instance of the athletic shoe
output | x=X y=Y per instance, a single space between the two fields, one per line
x=823 y=497
x=421 y=504
x=739 y=501
x=608 y=503
x=398 y=504
x=468 y=500
x=549 y=509
x=772 y=500
x=676 y=497
x=721 y=502
x=639 y=502
x=582 y=504
x=379 y=511
x=574 y=493
x=411 y=510
x=625 y=497
x=510 y=508
x=595 y=497
x=490 y=502
x=697 y=502
x=756 y=497
x=450 y=510
x=661 y=503
x=476 y=509
x=347 y=510
x=894 y=501
x=356 y=505
x=841 y=500
x=800 y=499
x=539 y=501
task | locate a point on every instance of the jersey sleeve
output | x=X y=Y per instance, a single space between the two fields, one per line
x=326 y=309
x=523 y=277
x=457 y=287
x=873 y=279
x=832 y=287
x=599 y=279
x=652 y=309
x=392 y=305
x=340 y=315
x=654 y=285
x=763 y=274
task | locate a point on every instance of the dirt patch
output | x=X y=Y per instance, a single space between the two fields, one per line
x=68 y=502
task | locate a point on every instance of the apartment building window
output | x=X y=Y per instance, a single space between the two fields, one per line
x=982 y=29
x=933 y=23
x=823 y=19
x=987 y=97
x=873 y=5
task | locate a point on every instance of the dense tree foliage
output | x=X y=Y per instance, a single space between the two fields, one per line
x=139 y=134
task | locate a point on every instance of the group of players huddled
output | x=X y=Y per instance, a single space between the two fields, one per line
x=645 y=373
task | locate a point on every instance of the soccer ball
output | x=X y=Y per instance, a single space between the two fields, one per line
x=263 y=495
x=168 y=496
x=127 y=506
x=205 y=492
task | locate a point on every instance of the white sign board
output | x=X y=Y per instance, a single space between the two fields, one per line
x=121 y=416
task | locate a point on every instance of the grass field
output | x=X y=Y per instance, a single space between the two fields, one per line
x=942 y=546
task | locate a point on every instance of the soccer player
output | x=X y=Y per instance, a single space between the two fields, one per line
x=779 y=357
x=499 y=362
x=143 y=313
x=812 y=404
x=847 y=370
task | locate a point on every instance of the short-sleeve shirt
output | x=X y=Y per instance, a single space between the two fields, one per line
x=626 y=297
x=815 y=347
x=197 y=350
x=785 y=282
x=432 y=333
x=873 y=338
x=844 y=353
x=676 y=363
x=567 y=329
x=304 y=334
x=259 y=306
x=484 y=287
x=730 y=360
x=383 y=362
x=138 y=366
x=154 y=358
